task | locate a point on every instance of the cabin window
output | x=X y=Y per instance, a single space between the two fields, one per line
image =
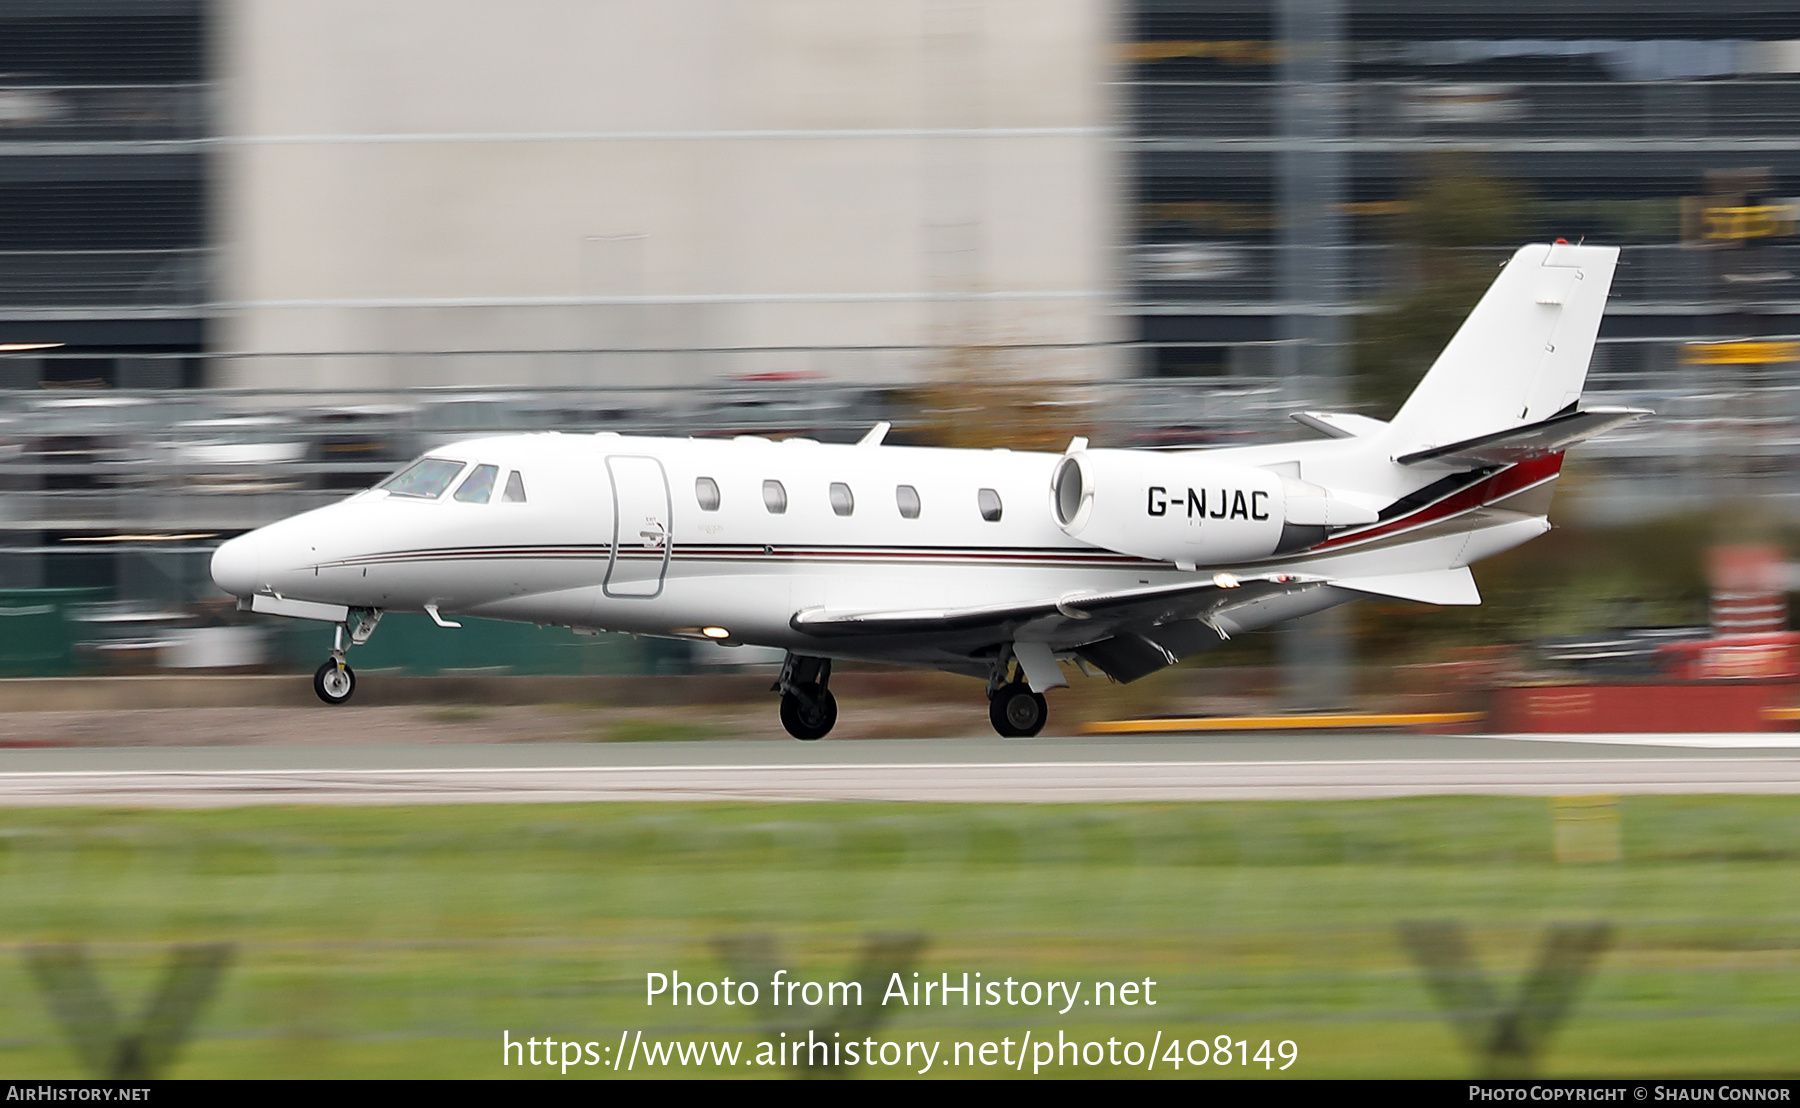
x=706 y=491
x=989 y=502
x=478 y=486
x=515 y=489
x=907 y=498
x=774 y=497
x=426 y=478
x=841 y=501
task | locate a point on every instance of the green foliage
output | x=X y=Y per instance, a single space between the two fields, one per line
x=1456 y=204
x=1574 y=580
x=1397 y=344
x=1651 y=220
x=1453 y=208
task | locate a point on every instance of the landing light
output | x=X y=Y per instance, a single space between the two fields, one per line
x=715 y=632
x=1225 y=581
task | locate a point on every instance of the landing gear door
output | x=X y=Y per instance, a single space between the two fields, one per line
x=641 y=535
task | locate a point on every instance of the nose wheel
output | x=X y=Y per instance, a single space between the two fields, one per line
x=334 y=682
x=1017 y=712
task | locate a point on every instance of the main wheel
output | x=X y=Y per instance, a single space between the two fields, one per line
x=1017 y=712
x=334 y=683
x=808 y=712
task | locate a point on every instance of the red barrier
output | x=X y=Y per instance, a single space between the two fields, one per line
x=1772 y=656
x=1698 y=706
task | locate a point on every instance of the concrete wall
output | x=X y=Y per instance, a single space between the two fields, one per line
x=783 y=179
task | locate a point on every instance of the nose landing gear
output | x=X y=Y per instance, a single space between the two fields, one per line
x=808 y=710
x=335 y=681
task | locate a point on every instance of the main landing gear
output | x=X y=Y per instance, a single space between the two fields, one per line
x=808 y=710
x=1015 y=711
x=335 y=681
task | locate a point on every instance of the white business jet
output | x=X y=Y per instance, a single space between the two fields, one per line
x=998 y=564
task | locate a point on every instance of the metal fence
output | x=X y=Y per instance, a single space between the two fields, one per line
x=1170 y=265
x=1554 y=111
x=216 y=460
x=1172 y=269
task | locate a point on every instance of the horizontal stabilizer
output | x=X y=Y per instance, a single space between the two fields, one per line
x=1339 y=425
x=1533 y=440
x=1438 y=586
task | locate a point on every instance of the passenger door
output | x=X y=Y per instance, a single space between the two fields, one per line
x=641 y=528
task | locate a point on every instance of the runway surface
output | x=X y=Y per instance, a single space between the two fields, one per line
x=1141 y=768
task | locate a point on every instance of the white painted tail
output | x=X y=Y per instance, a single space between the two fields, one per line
x=1520 y=357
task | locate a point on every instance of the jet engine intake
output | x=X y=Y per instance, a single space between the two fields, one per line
x=1189 y=509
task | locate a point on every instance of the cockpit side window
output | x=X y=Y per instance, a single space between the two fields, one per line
x=478 y=486
x=515 y=489
x=426 y=478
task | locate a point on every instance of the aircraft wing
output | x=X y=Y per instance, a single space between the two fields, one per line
x=1130 y=633
x=1079 y=612
x=1127 y=634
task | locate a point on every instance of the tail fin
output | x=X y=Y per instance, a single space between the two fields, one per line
x=1520 y=357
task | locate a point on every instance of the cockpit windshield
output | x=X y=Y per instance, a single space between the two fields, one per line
x=426 y=478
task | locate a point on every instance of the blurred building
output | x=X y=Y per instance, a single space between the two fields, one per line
x=103 y=183
x=1279 y=150
x=570 y=192
x=1261 y=130
x=776 y=210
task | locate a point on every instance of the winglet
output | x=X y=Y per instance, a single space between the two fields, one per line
x=875 y=434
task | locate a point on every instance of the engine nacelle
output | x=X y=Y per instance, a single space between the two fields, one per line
x=1189 y=509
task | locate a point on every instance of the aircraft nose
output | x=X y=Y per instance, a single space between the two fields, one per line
x=237 y=565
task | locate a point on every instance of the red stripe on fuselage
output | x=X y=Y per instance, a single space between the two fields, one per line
x=1496 y=486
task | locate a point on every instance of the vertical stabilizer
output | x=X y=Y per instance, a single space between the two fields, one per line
x=1521 y=356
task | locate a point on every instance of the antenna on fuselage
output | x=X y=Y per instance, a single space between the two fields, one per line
x=875 y=435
